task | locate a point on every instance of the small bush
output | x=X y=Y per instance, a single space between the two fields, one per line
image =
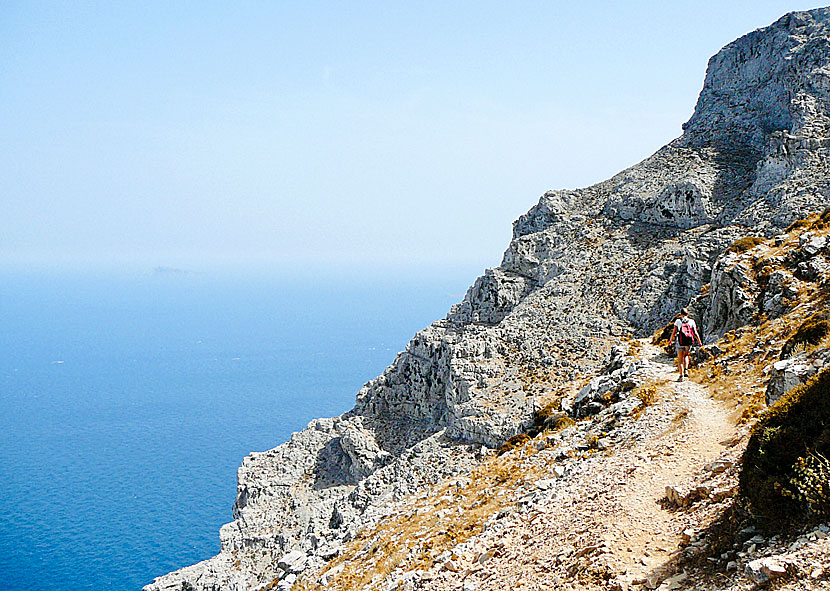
x=647 y=395
x=810 y=484
x=563 y=423
x=514 y=442
x=811 y=332
x=813 y=223
x=744 y=244
x=781 y=477
x=546 y=416
x=798 y=224
x=549 y=417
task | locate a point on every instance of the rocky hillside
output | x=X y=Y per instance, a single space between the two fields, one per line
x=585 y=269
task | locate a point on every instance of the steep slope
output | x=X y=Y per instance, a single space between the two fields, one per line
x=576 y=516
x=584 y=267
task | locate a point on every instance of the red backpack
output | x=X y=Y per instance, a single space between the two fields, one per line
x=686 y=337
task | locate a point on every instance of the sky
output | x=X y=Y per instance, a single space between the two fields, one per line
x=191 y=134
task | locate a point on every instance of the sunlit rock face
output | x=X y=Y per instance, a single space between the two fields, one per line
x=583 y=266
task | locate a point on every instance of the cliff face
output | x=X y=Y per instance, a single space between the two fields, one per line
x=583 y=266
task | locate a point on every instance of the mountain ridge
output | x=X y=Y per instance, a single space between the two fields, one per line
x=585 y=267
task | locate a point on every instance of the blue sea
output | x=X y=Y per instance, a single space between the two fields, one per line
x=127 y=401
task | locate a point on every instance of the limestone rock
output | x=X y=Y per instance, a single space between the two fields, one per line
x=293 y=562
x=362 y=449
x=583 y=267
x=764 y=569
x=719 y=466
x=732 y=297
x=786 y=375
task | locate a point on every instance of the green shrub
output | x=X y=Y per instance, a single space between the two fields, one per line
x=811 y=483
x=811 y=331
x=783 y=477
x=744 y=244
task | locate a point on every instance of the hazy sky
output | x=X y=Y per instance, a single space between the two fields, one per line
x=194 y=133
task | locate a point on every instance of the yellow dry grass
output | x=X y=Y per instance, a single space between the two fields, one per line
x=413 y=538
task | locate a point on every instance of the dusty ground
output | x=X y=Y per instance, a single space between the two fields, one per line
x=608 y=525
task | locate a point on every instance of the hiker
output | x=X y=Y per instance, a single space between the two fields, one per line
x=686 y=331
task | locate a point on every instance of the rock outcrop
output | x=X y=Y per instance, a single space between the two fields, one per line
x=583 y=266
x=794 y=371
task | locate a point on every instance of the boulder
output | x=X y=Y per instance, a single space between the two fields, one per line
x=293 y=562
x=786 y=375
x=764 y=569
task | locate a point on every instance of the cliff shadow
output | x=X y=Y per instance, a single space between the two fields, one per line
x=331 y=467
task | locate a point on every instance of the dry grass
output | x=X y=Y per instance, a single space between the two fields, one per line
x=818 y=221
x=635 y=348
x=810 y=333
x=737 y=377
x=563 y=423
x=649 y=394
x=661 y=335
x=413 y=538
x=514 y=442
x=681 y=415
x=744 y=244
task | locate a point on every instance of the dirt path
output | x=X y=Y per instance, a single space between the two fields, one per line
x=605 y=524
x=643 y=533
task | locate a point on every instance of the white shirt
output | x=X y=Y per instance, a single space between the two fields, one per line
x=679 y=322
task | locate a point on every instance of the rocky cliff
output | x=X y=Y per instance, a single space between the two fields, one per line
x=584 y=267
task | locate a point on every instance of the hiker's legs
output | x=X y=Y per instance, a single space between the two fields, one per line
x=682 y=361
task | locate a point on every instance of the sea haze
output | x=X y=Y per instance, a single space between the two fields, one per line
x=128 y=402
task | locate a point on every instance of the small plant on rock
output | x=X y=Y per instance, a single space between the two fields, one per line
x=646 y=394
x=592 y=441
x=797 y=224
x=744 y=244
x=563 y=423
x=810 y=484
x=514 y=442
x=810 y=332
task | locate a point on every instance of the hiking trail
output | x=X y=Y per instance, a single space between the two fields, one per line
x=609 y=517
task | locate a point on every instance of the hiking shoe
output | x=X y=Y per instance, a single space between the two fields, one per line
x=680 y=379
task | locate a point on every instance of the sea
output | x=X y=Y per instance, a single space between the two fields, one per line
x=129 y=399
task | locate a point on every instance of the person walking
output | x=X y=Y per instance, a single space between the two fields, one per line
x=685 y=330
